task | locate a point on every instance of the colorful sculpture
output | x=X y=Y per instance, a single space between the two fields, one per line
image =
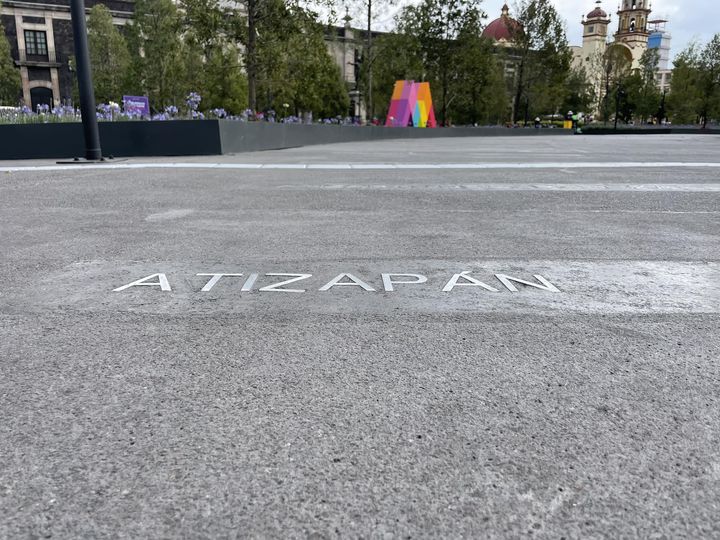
x=411 y=104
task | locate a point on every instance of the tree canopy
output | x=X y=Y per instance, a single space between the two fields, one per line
x=543 y=59
x=109 y=55
x=9 y=74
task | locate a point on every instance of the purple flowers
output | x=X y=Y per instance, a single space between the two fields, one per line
x=109 y=111
x=193 y=100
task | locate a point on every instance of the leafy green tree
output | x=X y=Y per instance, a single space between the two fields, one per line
x=710 y=81
x=616 y=68
x=543 y=58
x=695 y=91
x=295 y=66
x=683 y=102
x=160 y=58
x=397 y=57
x=109 y=55
x=579 y=92
x=224 y=84
x=218 y=75
x=643 y=94
x=9 y=74
x=259 y=30
x=441 y=42
x=437 y=26
x=481 y=94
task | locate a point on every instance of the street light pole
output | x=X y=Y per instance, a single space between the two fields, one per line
x=87 y=95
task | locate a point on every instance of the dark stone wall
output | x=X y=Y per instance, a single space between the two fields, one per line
x=115 y=5
x=65 y=50
x=39 y=74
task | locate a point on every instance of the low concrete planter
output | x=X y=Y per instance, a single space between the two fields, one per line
x=589 y=130
x=65 y=140
x=211 y=137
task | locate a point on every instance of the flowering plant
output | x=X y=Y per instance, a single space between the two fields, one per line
x=193 y=100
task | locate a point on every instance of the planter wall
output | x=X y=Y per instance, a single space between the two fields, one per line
x=65 y=140
x=210 y=137
x=237 y=137
x=650 y=131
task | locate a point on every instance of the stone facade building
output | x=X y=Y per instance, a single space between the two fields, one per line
x=41 y=44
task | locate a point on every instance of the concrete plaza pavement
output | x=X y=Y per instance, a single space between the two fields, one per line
x=585 y=408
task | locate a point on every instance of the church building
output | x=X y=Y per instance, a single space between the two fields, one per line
x=635 y=33
x=632 y=34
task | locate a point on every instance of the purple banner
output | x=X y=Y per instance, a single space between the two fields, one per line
x=137 y=105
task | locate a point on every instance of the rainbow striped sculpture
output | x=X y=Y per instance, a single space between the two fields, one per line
x=411 y=104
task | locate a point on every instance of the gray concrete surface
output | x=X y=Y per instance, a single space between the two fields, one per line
x=591 y=412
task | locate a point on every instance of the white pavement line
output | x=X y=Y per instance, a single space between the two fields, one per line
x=370 y=166
x=609 y=187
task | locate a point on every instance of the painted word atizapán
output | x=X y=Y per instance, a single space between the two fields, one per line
x=281 y=282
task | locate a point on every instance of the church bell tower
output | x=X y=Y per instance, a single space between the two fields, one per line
x=595 y=32
x=633 y=31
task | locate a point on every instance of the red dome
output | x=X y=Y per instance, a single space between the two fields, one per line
x=597 y=13
x=502 y=28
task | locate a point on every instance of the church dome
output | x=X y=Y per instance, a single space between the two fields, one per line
x=502 y=28
x=597 y=13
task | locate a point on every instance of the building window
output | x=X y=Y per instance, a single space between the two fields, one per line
x=591 y=29
x=35 y=43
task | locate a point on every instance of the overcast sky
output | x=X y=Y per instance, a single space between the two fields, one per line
x=688 y=19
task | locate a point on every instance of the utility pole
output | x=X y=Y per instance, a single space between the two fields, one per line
x=84 y=75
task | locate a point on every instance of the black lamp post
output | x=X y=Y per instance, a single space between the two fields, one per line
x=87 y=96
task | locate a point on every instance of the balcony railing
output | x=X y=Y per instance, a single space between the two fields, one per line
x=51 y=59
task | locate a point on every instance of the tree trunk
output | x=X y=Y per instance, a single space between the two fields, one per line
x=518 y=91
x=444 y=98
x=369 y=61
x=251 y=55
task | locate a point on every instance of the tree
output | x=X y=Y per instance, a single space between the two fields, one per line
x=579 y=93
x=616 y=68
x=684 y=100
x=109 y=55
x=296 y=67
x=696 y=84
x=369 y=10
x=260 y=22
x=710 y=80
x=9 y=74
x=437 y=26
x=441 y=43
x=397 y=57
x=481 y=93
x=218 y=74
x=643 y=94
x=160 y=58
x=543 y=58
